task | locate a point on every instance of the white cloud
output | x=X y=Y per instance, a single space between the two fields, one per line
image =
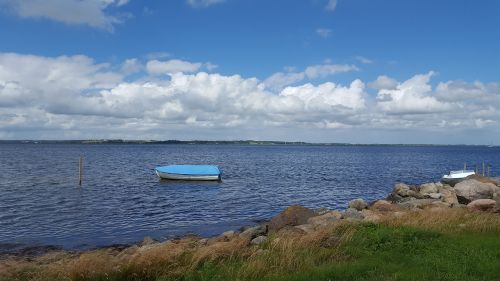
x=331 y=5
x=131 y=66
x=157 y=67
x=76 y=97
x=383 y=82
x=87 y=12
x=281 y=79
x=203 y=3
x=324 y=32
x=363 y=60
x=414 y=96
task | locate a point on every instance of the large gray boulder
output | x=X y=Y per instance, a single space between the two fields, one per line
x=358 y=204
x=448 y=195
x=403 y=190
x=470 y=190
x=429 y=188
x=253 y=232
x=417 y=203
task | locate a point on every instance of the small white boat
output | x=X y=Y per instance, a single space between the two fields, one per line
x=189 y=172
x=457 y=176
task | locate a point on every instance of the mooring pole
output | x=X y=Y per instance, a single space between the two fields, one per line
x=80 y=170
x=483 y=168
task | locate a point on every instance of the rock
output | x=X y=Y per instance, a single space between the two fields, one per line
x=291 y=216
x=394 y=198
x=370 y=216
x=128 y=251
x=229 y=234
x=484 y=205
x=325 y=219
x=470 y=190
x=416 y=203
x=434 y=195
x=358 y=204
x=307 y=228
x=147 y=241
x=440 y=204
x=482 y=179
x=253 y=232
x=404 y=190
x=203 y=241
x=321 y=211
x=384 y=206
x=352 y=213
x=259 y=240
x=261 y=252
x=448 y=195
x=428 y=188
x=401 y=189
x=291 y=231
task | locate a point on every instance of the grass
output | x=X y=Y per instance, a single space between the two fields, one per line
x=449 y=244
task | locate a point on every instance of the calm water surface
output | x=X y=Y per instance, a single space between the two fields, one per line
x=122 y=200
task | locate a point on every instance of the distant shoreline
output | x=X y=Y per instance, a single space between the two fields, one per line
x=225 y=142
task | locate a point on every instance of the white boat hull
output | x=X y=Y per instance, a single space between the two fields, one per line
x=170 y=176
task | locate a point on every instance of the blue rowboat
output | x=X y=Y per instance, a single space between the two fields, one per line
x=189 y=172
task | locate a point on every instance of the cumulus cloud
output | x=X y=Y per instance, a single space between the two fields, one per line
x=413 y=96
x=93 y=13
x=383 y=82
x=279 y=80
x=157 y=67
x=203 y=3
x=324 y=32
x=77 y=97
x=331 y=5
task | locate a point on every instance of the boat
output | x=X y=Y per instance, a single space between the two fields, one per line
x=189 y=172
x=457 y=176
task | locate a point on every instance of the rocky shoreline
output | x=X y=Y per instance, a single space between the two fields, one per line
x=475 y=193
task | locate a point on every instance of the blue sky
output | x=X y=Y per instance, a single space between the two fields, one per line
x=446 y=51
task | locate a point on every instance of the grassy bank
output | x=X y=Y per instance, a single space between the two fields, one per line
x=444 y=244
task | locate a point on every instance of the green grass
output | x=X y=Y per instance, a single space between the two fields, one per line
x=379 y=252
x=452 y=244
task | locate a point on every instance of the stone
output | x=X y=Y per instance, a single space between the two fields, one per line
x=384 y=206
x=203 y=241
x=291 y=231
x=325 y=219
x=307 y=228
x=484 y=205
x=428 y=188
x=358 y=204
x=259 y=240
x=448 y=195
x=147 y=241
x=434 y=195
x=401 y=189
x=417 y=203
x=370 y=216
x=482 y=179
x=229 y=234
x=253 y=232
x=470 y=190
x=353 y=214
x=321 y=211
x=291 y=216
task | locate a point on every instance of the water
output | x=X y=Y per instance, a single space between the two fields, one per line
x=122 y=200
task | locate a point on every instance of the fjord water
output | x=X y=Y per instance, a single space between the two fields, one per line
x=122 y=200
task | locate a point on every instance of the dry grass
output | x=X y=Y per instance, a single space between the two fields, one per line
x=283 y=253
x=446 y=220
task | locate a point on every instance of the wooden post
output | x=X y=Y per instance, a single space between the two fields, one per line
x=489 y=170
x=483 y=168
x=80 y=171
x=465 y=166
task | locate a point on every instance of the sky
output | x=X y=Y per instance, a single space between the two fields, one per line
x=355 y=71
